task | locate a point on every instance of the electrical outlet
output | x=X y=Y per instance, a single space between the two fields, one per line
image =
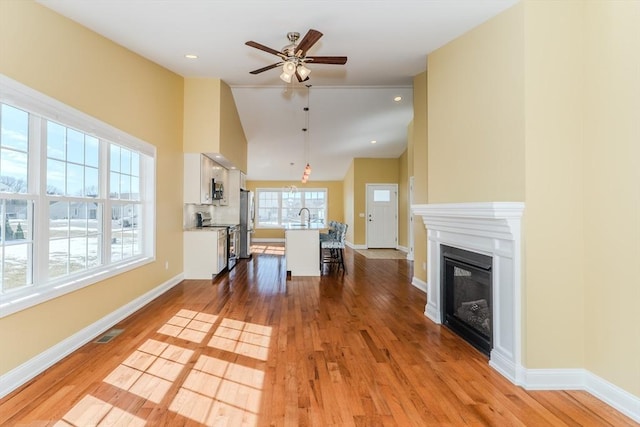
x=424 y=266
x=166 y=265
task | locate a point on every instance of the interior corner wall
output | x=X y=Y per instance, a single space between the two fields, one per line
x=476 y=114
x=553 y=222
x=201 y=112
x=233 y=142
x=612 y=192
x=559 y=81
x=403 y=199
x=63 y=60
x=419 y=169
x=348 y=194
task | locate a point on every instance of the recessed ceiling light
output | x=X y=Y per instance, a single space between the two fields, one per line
x=374 y=141
x=397 y=98
x=191 y=56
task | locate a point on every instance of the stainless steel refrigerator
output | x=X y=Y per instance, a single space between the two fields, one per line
x=247 y=215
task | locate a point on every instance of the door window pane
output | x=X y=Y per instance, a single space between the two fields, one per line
x=381 y=195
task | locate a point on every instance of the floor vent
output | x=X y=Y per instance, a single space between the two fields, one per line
x=109 y=336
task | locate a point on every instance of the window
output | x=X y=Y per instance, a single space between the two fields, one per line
x=76 y=207
x=277 y=207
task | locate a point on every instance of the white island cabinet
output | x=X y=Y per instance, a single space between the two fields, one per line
x=302 y=251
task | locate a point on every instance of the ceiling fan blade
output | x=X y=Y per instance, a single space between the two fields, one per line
x=265 y=48
x=268 y=67
x=309 y=40
x=338 y=60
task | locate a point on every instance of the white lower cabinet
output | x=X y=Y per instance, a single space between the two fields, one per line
x=202 y=257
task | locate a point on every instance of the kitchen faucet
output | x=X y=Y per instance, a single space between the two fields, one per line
x=308 y=216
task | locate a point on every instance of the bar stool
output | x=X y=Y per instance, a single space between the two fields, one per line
x=332 y=249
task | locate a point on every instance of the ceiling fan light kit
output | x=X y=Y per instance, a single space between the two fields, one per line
x=303 y=71
x=294 y=56
x=285 y=77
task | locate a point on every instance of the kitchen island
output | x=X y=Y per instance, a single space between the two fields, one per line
x=302 y=249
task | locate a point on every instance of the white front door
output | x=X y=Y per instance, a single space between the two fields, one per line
x=382 y=215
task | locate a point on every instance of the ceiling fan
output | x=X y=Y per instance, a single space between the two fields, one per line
x=294 y=56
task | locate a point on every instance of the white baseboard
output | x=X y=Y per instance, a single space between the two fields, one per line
x=581 y=379
x=354 y=246
x=420 y=284
x=38 y=364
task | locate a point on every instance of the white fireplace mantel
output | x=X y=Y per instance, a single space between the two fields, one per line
x=493 y=229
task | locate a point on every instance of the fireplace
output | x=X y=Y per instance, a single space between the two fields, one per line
x=492 y=229
x=466 y=295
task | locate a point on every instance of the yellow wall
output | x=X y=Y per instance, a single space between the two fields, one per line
x=476 y=114
x=335 y=205
x=554 y=273
x=369 y=171
x=211 y=121
x=233 y=142
x=612 y=192
x=540 y=104
x=63 y=60
x=419 y=168
x=349 y=197
x=403 y=199
x=201 y=115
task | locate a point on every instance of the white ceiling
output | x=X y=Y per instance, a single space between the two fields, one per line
x=386 y=42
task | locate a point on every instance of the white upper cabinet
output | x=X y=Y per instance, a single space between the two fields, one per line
x=198 y=171
x=221 y=176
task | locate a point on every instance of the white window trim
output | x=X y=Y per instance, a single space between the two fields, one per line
x=282 y=191
x=15 y=93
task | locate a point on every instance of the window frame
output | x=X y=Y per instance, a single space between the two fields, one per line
x=281 y=191
x=42 y=108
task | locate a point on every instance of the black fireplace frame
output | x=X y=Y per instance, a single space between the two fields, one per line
x=475 y=262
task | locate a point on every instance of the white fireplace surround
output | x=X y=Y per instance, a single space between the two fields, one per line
x=493 y=229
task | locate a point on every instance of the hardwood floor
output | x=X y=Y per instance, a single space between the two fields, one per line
x=252 y=348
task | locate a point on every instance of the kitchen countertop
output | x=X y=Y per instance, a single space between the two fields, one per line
x=304 y=226
x=210 y=228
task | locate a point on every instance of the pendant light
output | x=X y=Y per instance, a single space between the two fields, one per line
x=307 y=169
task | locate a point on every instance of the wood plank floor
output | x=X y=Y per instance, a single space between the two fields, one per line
x=252 y=348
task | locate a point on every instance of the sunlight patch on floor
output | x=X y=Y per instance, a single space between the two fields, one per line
x=247 y=339
x=217 y=392
x=91 y=411
x=189 y=325
x=268 y=249
x=150 y=371
x=214 y=392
